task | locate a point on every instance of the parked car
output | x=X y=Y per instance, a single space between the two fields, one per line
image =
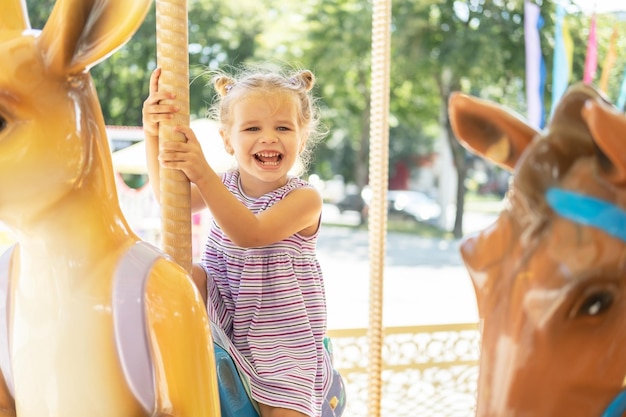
x=412 y=205
x=408 y=205
x=353 y=202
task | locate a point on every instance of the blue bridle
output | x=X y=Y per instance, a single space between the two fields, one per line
x=617 y=406
x=590 y=211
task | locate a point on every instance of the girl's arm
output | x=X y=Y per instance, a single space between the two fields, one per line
x=155 y=110
x=298 y=212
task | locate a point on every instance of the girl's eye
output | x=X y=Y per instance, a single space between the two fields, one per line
x=252 y=129
x=595 y=304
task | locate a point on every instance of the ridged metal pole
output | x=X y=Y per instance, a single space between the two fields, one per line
x=378 y=175
x=173 y=59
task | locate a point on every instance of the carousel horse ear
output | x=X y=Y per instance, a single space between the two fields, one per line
x=489 y=130
x=81 y=33
x=608 y=128
x=14 y=16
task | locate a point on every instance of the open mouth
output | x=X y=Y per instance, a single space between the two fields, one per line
x=268 y=158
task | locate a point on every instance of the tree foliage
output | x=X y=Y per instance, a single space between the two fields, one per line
x=220 y=34
x=438 y=46
x=339 y=39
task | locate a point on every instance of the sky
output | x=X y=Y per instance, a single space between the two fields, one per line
x=601 y=6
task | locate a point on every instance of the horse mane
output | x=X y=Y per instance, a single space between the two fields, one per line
x=564 y=142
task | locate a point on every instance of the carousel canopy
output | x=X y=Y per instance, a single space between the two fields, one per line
x=132 y=159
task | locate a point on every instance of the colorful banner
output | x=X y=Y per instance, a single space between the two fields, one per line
x=563 y=50
x=609 y=62
x=591 y=59
x=568 y=42
x=535 y=67
x=621 y=101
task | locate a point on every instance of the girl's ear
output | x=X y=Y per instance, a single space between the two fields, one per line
x=227 y=146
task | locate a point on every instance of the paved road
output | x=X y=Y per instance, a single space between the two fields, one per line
x=425 y=281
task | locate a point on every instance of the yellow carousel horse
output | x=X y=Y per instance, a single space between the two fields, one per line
x=93 y=321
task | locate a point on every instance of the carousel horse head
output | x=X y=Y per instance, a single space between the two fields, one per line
x=550 y=273
x=92 y=320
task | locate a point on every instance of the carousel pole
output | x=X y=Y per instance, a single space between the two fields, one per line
x=378 y=174
x=173 y=59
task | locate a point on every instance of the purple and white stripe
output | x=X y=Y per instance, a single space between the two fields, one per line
x=271 y=304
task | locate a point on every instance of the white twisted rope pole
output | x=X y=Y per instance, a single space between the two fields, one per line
x=378 y=174
x=173 y=59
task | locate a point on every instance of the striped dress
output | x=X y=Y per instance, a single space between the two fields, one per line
x=271 y=304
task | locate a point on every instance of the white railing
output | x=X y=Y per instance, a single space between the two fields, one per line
x=428 y=371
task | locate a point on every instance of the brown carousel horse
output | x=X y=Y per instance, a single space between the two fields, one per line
x=550 y=273
x=93 y=322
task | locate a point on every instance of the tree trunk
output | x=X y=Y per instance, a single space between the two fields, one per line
x=447 y=84
x=460 y=162
x=361 y=165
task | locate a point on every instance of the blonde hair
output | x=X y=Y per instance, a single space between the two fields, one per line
x=297 y=83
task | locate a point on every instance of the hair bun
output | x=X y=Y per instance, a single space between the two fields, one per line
x=223 y=84
x=305 y=78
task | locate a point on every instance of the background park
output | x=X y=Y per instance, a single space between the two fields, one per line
x=480 y=47
x=437 y=46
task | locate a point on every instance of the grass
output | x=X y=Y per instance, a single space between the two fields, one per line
x=486 y=203
x=411 y=227
x=416 y=228
x=472 y=197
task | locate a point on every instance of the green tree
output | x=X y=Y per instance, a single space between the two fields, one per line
x=338 y=51
x=438 y=46
x=476 y=47
x=221 y=34
x=38 y=12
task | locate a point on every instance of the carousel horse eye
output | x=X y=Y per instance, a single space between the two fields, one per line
x=3 y=123
x=596 y=304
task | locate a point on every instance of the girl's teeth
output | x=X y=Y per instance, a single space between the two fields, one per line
x=268 y=158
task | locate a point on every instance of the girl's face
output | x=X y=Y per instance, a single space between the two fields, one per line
x=266 y=139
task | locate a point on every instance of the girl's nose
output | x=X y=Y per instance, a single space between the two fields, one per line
x=269 y=137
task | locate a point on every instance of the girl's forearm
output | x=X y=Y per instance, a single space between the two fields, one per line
x=233 y=217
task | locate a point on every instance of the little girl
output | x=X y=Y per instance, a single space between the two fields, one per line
x=259 y=273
